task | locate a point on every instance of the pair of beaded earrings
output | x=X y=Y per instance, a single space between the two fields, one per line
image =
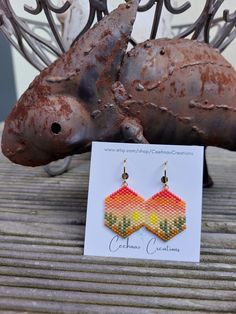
x=164 y=214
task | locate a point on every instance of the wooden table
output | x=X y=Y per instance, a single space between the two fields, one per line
x=43 y=270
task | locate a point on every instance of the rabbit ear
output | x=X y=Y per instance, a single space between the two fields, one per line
x=100 y=52
x=92 y=64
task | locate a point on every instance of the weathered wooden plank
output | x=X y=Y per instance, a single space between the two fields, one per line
x=42 y=230
x=219 y=240
x=210 y=272
x=73 y=308
x=42 y=241
x=219 y=227
x=113 y=299
x=69 y=280
x=121 y=288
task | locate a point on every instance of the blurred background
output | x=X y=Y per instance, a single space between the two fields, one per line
x=16 y=73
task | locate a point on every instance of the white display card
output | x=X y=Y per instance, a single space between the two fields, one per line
x=145 y=168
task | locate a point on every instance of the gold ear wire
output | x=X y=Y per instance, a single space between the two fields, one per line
x=125 y=175
x=165 y=179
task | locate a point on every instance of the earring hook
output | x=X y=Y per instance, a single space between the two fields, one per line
x=125 y=175
x=165 y=179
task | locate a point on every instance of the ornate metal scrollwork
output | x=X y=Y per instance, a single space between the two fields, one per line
x=35 y=48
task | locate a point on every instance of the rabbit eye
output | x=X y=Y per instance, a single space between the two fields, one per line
x=56 y=128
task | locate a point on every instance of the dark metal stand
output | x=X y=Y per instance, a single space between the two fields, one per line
x=58 y=167
x=38 y=50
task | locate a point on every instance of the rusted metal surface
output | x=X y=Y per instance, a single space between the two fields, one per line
x=163 y=91
x=182 y=93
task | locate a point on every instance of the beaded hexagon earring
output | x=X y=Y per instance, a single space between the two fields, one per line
x=165 y=212
x=124 y=209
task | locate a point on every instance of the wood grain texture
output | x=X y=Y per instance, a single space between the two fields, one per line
x=43 y=270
